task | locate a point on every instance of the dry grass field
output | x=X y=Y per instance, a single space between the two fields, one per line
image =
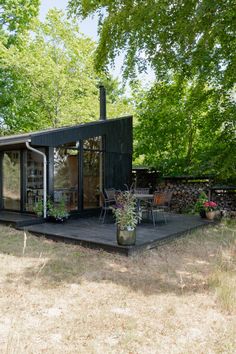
x=58 y=298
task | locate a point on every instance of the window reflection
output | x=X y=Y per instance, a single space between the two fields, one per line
x=11 y=180
x=94 y=143
x=66 y=177
x=92 y=171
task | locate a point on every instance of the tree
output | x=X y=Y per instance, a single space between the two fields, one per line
x=191 y=37
x=187 y=121
x=48 y=80
x=16 y=17
x=187 y=128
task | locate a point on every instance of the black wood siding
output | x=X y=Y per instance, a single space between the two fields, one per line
x=118 y=134
x=118 y=146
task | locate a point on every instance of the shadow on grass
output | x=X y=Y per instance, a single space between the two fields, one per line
x=180 y=267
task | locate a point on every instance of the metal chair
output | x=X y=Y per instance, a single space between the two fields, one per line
x=161 y=204
x=110 y=194
x=107 y=205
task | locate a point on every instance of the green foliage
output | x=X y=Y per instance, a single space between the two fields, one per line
x=16 y=17
x=48 y=80
x=191 y=37
x=58 y=212
x=187 y=120
x=38 y=208
x=200 y=201
x=187 y=128
x=51 y=78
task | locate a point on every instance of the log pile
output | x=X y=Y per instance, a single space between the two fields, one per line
x=185 y=195
x=225 y=200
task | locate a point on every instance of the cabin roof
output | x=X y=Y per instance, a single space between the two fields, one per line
x=62 y=134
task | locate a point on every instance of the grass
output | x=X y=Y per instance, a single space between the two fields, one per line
x=223 y=279
x=59 y=298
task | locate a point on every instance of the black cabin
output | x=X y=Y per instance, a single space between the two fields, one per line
x=74 y=163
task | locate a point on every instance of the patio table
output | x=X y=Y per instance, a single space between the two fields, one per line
x=142 y=198
x=148 y=198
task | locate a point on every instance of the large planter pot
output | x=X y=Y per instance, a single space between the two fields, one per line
x=126 y=237
x=210 y=215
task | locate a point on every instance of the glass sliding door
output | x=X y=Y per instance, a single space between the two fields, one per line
x=11 y=180
x=66 y=176
x=92 y=172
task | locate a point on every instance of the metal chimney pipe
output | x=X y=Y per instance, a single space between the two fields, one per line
x=103 y=105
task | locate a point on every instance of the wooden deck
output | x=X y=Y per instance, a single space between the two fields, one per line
x=90 y=233
x=18 y=219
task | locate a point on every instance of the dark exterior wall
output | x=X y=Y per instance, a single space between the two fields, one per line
x=118 y=133
x=118 y=169
x=118 y=157
x=118 y=136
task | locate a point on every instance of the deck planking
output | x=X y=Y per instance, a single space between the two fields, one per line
x=88 y=232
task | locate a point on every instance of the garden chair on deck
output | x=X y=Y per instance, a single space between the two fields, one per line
x=107 y=205
x=142 y=205
x=110 y=194
x=160 y=204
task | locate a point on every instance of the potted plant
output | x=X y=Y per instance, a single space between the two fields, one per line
x=199 y=205
x=127 y=218
x=57 y=213
x=38 y=208
x=210 y=209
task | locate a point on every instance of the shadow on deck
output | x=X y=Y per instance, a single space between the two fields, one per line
x=90 y=233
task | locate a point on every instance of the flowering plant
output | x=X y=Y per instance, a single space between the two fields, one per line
x=199 y=205
x=125 y=211
x=210 y=206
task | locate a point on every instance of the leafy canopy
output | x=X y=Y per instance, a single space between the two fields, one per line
x=48 y=79
x=192 y=37
x=187 y=121
x=187 y=128
x=16 y=17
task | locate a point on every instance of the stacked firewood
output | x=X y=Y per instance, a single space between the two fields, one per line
x=186 y=194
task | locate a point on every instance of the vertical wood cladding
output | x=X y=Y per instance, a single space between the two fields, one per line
x=118 y=138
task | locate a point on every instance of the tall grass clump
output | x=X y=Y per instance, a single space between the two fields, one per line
x=223 y=279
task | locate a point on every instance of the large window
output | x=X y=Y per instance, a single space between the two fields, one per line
x=11 y=180
x=66 y=176
x=92 y=172
x=66 y=173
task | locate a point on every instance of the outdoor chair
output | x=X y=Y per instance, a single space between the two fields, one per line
x=107 y=205
x=110 y=194
x=141 y=190
x=160 y=204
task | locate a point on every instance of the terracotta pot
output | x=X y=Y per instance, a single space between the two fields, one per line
x=210 y=215
x=126 y=237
